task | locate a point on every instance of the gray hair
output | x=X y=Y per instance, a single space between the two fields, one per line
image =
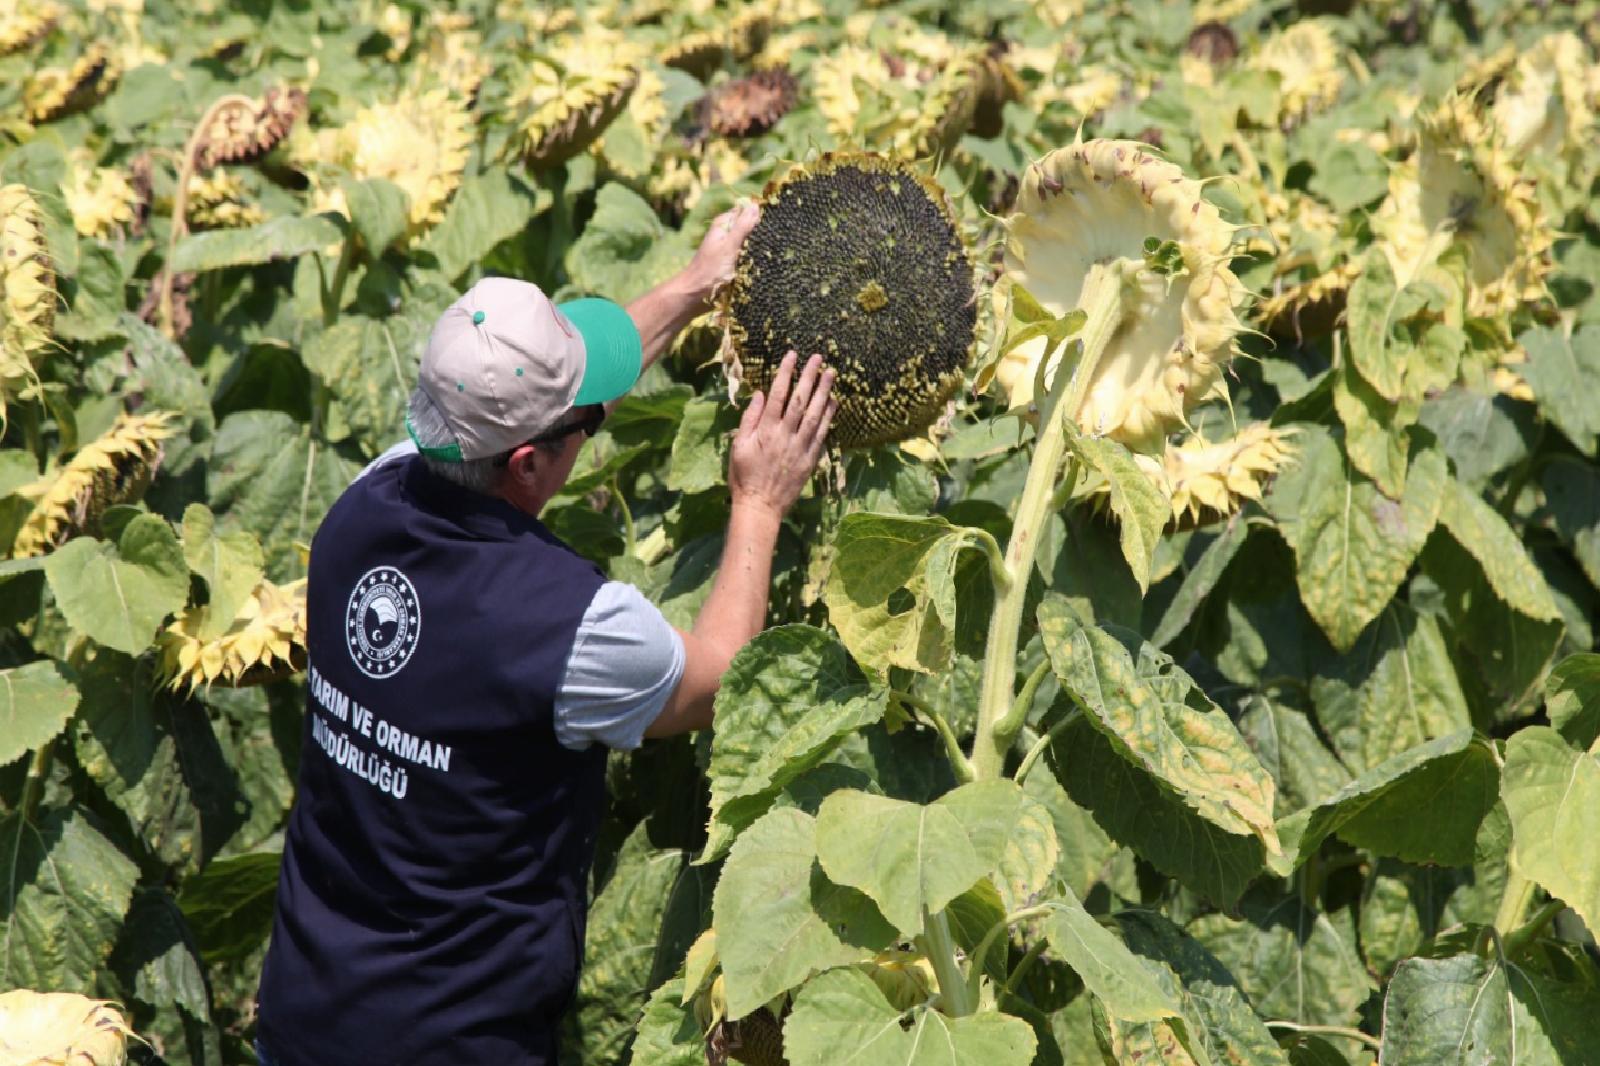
x=432 y=431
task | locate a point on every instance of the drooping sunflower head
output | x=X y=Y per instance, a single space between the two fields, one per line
x=563 y=101
x=51 y=92
x=220 y=200
x=21 y=26
x=242 y=130
x=1460 y=187
x=1542 y=106
x=27 y=281
x=265 y=641
x=419 y=141
x=748 y=106
x=62 y=1027
x=1305 y=58
x=859 y=258
x=100 y=198
x=1099 y=202
x=114 y=469
x=896 y=100
x=1207 y=481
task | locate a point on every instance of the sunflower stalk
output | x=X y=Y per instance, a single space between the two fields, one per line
x=180 y=204
x=1102 y=303
x=940 y=948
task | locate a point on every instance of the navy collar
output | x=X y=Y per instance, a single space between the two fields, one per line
x=480 y=514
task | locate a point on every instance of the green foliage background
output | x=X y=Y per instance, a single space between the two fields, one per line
x=1312 y=781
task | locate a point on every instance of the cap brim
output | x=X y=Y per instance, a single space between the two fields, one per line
x=612 y=349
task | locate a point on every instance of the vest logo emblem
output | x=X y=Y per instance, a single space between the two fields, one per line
x=382 y=622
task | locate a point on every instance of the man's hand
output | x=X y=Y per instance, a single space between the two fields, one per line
x=780 y=437
x=714 y=263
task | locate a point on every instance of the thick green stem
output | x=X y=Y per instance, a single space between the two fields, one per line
x=940 y=948
x=1102 y=303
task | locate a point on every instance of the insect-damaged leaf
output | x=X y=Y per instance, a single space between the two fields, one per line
x=1159 y=721
x=787 y=700
x=63 y=891
x=1352 y=544
x=891 y=591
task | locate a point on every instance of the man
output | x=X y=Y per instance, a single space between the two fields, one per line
x=468 y=672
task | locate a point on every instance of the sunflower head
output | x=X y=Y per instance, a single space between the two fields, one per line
x=418 y=141
x=1305 y=59
x=1461 y=188
x=265 y=641
x=115 y=469
x=27 y=280
x=219 y=200
x=100 y=198
x=563 y=102
x=55 y=91
x=1207 y=481
x=1107 y=202
x=62 y=1027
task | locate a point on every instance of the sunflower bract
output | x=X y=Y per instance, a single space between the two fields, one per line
x=858 y=258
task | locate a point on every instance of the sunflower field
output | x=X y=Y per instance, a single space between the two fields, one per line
x=1186 y=658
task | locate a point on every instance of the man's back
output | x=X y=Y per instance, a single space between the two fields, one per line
x=432 y=894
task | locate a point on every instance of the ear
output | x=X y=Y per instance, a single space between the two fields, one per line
x=526 y=466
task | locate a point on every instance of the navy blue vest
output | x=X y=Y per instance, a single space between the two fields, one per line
x=432 y=898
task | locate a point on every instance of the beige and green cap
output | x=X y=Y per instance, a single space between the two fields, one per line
x=504 y=363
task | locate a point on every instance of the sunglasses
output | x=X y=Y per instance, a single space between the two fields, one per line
x=592 y=415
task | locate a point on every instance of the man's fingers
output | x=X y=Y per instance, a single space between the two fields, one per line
x=800 y=399
x=778 y=395
x=752 y=415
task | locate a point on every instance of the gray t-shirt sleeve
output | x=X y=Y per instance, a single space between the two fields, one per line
x=399 y=451
x=625 y=663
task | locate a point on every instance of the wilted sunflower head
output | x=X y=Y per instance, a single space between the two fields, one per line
x=264 y=641
x=100 y=198
x=1206 y=480
x=1460 y=187
x=54 y=91
x=563 y=100
x=27 y=282
x=42 y=1028
x=898 y=101
x=1099 y=202
x=1541 y=107
x=21 y=26
x=1305 y=57
x=418 y=141
x=116 y=468
x=220 y=200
